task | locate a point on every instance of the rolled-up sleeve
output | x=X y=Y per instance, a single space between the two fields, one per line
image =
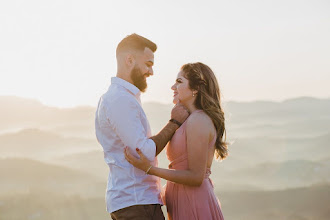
x=124 y=117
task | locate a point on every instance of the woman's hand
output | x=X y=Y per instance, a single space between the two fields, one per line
x=141 y=163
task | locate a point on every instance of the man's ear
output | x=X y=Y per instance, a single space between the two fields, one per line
x=130 y=60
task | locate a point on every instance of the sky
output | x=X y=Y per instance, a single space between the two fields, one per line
x=62 y=52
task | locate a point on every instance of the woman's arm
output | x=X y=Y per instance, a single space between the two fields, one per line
x=198 y=137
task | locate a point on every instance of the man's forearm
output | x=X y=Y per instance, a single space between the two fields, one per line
x=164 y=136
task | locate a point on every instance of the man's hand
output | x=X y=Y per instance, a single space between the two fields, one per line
x=179 y=113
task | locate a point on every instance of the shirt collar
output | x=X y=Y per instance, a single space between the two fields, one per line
x=127 y=85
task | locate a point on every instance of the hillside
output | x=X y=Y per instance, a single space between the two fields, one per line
x=25 y=175
x=294 y=204
x=35 y=143
x=49 y=157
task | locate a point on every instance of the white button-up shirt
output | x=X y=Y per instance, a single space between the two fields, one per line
x=120 y=121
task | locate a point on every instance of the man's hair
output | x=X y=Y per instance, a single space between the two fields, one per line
x=135 y=42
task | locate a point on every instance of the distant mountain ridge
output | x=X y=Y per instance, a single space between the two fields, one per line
x=281 y=118
x=14 y=103
x=17 y=113
x=275 y=148
x=34 y=143
x=22 y=175
x=264 y=136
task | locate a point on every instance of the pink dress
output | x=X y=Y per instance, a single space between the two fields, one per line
x=189 y=202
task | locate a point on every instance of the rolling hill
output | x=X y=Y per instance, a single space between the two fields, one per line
x=20 y=175
x=35 y=143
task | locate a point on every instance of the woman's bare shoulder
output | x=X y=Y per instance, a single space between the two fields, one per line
x=200 y=120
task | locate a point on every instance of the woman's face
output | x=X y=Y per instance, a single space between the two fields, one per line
x=181 y=89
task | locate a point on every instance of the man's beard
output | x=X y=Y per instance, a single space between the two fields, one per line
x=139 y=79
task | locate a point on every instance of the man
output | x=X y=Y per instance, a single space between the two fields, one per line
x=120 y=121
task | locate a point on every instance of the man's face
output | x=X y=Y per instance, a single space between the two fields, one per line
x=142 y=69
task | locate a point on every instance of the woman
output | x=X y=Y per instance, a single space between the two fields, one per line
x=189 y=191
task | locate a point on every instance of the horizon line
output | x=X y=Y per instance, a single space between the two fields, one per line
x=162 y=103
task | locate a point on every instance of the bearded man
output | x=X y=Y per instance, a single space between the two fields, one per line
x=120 y=121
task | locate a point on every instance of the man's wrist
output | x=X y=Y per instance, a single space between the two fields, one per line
x=175 y=122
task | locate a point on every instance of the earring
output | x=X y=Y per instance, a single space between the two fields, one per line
x=194 y=94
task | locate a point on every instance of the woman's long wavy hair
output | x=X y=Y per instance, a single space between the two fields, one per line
x=202 y=79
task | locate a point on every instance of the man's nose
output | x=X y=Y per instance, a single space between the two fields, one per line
x=151 y=72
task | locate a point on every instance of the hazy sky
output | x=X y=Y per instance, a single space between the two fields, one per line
x=63 y=52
